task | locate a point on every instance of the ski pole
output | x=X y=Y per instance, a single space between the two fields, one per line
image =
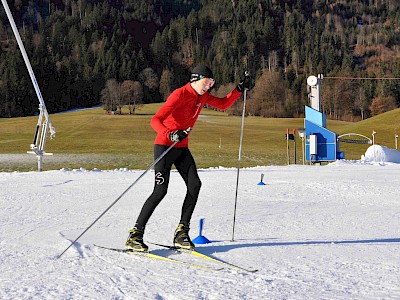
x=120 y=196
x=239 y=158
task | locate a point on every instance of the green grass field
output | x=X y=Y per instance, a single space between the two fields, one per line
x=92 y=139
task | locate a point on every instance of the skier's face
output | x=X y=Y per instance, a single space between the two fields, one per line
x=203 y=85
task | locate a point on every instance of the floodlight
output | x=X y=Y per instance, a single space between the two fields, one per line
x=312 y=80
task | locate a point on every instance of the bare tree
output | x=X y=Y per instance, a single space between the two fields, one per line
x=337 y=100
x=268 y=96
x=273 y=61
x=327 y=96
x=127 y=92
x=132 y=94
x=361 y=102
x=111 y=96
x=137 y=94
x=344 y=98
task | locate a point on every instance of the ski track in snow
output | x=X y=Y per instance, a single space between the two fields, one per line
x=314 y=232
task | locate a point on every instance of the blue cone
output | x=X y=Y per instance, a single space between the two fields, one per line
x=201 y=239
x=261 y=182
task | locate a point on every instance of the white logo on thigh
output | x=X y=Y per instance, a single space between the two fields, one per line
x=159 y=178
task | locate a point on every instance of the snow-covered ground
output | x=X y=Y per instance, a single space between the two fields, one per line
x=314 y=232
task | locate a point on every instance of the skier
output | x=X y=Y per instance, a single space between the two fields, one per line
x=172 y=121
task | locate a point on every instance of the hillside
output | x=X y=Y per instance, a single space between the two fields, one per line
x=386 y=126
x=127 y=141
x=91 y=138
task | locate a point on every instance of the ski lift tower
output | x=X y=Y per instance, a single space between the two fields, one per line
x=44 y=123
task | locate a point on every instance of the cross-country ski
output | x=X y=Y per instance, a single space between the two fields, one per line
x=151 y=255
x=206 y=257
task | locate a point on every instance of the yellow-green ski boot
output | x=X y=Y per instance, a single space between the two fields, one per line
x=135 y=240
x=182 y=239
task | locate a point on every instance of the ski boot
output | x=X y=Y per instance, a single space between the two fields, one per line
x=135 y=240
x=182 y=239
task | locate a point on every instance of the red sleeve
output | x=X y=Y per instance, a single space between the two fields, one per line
x=157 y=122
x=226 y=102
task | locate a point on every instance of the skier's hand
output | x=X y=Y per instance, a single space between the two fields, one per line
x=244 y=83
x=178 y=135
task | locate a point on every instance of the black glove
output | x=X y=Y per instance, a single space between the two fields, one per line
x=244 y=83
x=178 y=136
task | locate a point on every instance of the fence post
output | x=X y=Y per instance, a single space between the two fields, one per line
x=287 y=146
x=294 y=139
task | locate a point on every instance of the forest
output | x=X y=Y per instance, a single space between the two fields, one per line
x=130 y=52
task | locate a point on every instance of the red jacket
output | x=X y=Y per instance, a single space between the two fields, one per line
x=181 y=111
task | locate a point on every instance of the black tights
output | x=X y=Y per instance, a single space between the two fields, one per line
x=186 y=166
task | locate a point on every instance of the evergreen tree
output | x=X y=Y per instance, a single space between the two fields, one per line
x=76 y=47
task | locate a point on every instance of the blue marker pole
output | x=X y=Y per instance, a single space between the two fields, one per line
x=201 y=239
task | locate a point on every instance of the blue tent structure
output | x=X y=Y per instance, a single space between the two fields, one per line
x=321 y=143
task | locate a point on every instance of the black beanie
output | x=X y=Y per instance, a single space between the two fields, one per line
x=201 y=71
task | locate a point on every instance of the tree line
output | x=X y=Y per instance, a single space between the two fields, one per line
x=131 y=52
